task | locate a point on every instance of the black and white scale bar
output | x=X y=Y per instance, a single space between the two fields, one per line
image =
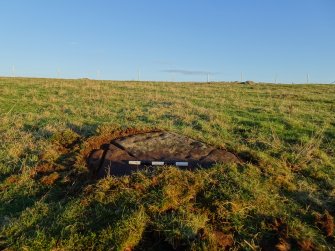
x=157 y=163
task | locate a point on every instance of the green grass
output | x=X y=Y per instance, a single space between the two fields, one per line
x=284 y=133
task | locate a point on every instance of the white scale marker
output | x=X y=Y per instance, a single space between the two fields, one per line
x=181 y=163
x=156 y=163
x=134 y=162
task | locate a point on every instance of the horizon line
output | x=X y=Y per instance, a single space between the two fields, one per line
x=168 y=81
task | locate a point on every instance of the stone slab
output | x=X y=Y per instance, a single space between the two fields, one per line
x=113 y=158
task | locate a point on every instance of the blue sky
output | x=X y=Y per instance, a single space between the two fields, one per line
x=179 y=40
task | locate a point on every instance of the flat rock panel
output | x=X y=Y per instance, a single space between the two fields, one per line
x=124 y=155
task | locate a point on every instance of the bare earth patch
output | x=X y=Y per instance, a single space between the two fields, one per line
x=326 y=223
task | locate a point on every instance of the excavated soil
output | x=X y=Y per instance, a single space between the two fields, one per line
x=159 y=146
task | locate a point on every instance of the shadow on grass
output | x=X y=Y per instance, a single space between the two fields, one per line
x=307 y=200
x=86 y=130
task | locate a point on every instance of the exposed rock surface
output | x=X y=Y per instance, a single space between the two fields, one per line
x=113 y=158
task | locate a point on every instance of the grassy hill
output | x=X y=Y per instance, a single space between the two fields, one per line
x=282 y=197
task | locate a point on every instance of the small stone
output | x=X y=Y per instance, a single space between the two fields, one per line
x=248 y=82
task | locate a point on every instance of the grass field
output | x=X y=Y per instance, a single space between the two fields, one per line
x=282 y=197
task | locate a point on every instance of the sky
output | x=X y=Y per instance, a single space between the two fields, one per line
x=169 y=40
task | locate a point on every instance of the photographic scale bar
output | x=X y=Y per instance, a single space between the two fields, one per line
x=157 y=163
